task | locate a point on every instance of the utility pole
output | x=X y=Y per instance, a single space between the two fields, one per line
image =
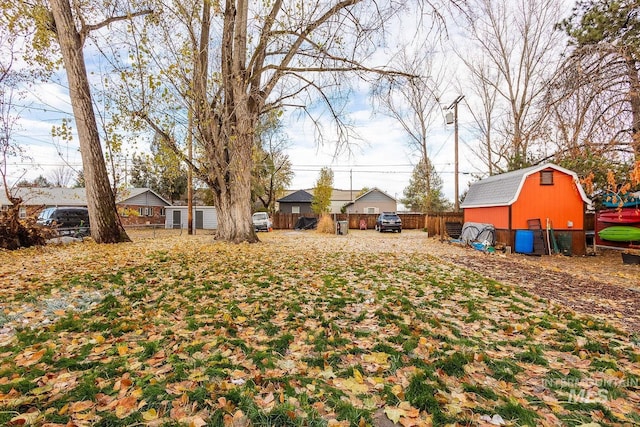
x=454 y=105
x=190 y=175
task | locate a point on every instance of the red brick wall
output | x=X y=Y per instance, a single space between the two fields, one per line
x=130 y=215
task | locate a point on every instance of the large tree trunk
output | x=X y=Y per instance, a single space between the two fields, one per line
x=105 y=222
x=227 y=129
x=233 y=201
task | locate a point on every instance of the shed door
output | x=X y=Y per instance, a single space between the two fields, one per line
x=177 y=219
x=199 y=220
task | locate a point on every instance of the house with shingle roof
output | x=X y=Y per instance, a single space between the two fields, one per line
x=373 y=201
x=515 y=200
x=296 y=202
x=135 y=205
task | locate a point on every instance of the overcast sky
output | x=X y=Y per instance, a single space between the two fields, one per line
x=381 y=158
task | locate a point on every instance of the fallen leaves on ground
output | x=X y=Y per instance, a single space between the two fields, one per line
x=299 y=330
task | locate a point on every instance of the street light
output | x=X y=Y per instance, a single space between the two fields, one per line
x=453 y=118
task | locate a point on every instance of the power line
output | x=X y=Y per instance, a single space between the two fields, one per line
x=44 y=164
x=356 y=166
x=377 y=171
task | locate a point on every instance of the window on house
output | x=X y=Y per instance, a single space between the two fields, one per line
x=22 y=213
x=546 y=177
x=163 y=212
x=145 y=211
x=371 y=210
x=295 y=209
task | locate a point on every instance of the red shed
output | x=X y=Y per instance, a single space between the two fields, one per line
x=510 y=200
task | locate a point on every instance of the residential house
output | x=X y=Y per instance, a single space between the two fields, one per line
x=373 y=201
x=135 y=205
x=296 y=202
x=141 y=206
x=35 y=199
x=340 y=198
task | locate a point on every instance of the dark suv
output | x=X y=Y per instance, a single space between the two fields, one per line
x=68 y=220
x=389 y=221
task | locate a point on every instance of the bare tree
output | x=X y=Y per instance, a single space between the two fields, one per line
x=272 y=167
x=61 y=176
x=588 y=101
x=600 y=80
x=482 y=85
x=14 y=233
x=516 y=52
x=9 y=116
x=248 y=59
x=414 y=102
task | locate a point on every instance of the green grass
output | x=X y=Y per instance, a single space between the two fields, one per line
x=517 y=413
x=454 y=364
x=421 y=394
x=328 y=333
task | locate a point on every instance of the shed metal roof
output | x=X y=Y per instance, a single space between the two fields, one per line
x=504 y=189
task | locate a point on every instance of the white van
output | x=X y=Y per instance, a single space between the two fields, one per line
x=261 y=221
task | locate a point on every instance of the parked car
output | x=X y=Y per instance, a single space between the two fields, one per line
x=261 y=221
x=67 y=220
x=389 y=221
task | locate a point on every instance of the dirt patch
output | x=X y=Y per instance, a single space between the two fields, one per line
x=599 y=285
x=578 y=283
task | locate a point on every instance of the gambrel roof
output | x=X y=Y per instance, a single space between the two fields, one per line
x=504 y=189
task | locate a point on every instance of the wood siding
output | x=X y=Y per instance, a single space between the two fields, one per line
x=286 y=207
x=373 y=199
x=143 y=199
x=560 y=202
x=209 y=217
x=496 y=215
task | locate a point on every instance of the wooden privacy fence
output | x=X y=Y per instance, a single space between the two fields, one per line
x=436 y=223
x=433 y=223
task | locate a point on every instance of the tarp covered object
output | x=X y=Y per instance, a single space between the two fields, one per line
x=305 y=223
x=478 y=232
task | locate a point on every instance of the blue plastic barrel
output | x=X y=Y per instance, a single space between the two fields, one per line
x=524 y=241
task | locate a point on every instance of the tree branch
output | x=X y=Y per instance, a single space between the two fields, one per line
x=86 y=29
